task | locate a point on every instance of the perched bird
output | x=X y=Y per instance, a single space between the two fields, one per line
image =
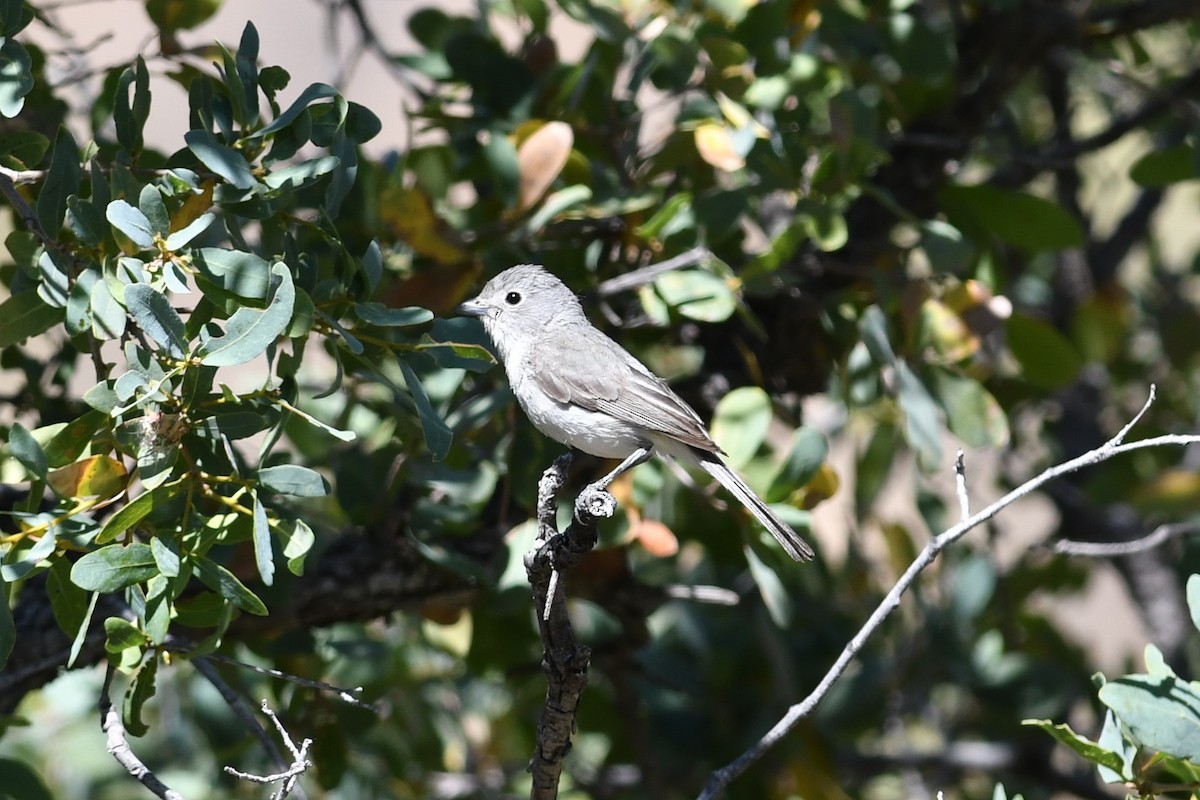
x=582 y=389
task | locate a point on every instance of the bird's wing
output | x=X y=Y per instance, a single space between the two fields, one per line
x=594 y=372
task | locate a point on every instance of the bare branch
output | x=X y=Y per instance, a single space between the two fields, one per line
x=960 y=485
x=118 y=745
x=345 y=695
x=241 y=710
x=1156 y=537
x=291 y=775
x=564 y=660
x=1113 y=447
x=640 y=277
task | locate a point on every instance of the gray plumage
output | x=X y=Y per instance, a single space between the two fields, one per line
x=581 y=388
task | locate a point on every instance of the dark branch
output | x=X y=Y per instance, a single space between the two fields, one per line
x=564 y=660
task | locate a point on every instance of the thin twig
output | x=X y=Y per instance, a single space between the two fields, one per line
x=118 y=745
x=1113 y=447
x=291 y=775
x=960 y=486
x=640 y=277
x=242 y=711
x=1150 y=541
x=345 y=695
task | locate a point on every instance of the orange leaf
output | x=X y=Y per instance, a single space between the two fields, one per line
x=655 y=537
x=540 y=158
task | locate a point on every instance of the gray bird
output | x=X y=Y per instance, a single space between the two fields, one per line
x=582 y=389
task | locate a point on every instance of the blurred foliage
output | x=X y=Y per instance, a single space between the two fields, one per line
x=235 y=412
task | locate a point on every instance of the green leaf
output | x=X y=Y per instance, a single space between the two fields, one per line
x=137 y=510
x=151 y=204
x=379 y=314
x=697 y=295
x=293 y=480
x=774 y=594
x=1113 y=739
x=22 y=149
x=108 y=316
x=264 y=559
x=234 y=271
x=8 y=629
x=740 y=423
x=86 y=220
x=437 y=434
x=62 y=181
x=873 y=329
x=24 y=315
x=16 y=77
x=54 y=284
x=1023 y=220
x=164 y=556
x=24 y=448
x=299 y=543
x=131 y=222
x=114 y=567
x=922 y=426
x=68 y=602
x=809 y=451
x=249 y=332
x=121 y=635
x=972 y=413
x=68 y=444
x=81 y=634
x=226 y=584
x=501 y=157
x=129 y=118
x=1159 y=713
x=21 y=781
x=140 y=690
x=297 y=176
x=316 y=91
x=1166 y=166
x=1048 y=360
x=226 y=162
x=152 y=312
x=1193 y=599
x=1082 y=746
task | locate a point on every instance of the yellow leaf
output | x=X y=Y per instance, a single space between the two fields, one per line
x=1174 y=492
x=540 y=159
x=407 y=211
x=98 y=476
x=821 y=486
x=945 y=332
x=715 y=145
x=737 y=116
x=193 y=207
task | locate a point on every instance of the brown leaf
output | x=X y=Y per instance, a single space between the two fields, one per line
x=540 y=158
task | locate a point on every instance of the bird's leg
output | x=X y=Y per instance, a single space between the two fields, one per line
x=635 y=458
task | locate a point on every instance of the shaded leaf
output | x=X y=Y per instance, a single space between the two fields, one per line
x=437 y=435
x=62 y=181
x=293 y=480
x=137 y=510
x=249 y=332
x=152 y=312
x=24 y=315
x=224 y=161
x=114 y=567
x=226 y=584
x=264 y=559
x=1048 y=360
x=24 y=448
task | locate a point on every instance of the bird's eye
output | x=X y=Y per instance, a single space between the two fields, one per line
x=512 y=298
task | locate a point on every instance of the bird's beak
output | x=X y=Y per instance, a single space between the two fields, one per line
x=471 y=308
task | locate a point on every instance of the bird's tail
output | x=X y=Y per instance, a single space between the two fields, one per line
x=796 y=547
